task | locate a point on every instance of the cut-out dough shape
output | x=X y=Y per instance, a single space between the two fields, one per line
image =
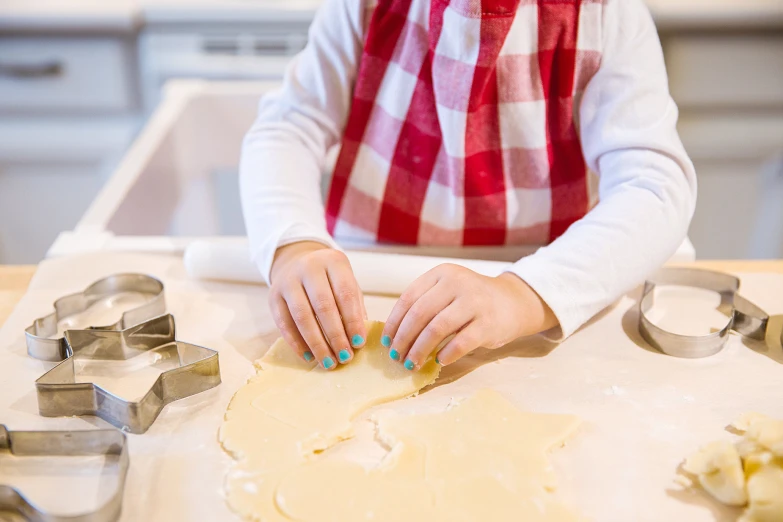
x=291 y=409
x=747 y=472
x=482 y=460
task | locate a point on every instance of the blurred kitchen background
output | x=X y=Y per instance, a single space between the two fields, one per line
x=80 y=80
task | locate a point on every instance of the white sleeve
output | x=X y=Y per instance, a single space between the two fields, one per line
x=284 y=151
x=647 y=186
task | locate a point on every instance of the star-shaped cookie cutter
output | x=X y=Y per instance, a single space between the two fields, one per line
x=40 y=341
x=64 y=443
x=60 y=395
x=745 y=318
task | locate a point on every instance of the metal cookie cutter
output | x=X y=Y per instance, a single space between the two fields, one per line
x=40 y=341
x=745 y=318
x=60 y=395
x=64 y=443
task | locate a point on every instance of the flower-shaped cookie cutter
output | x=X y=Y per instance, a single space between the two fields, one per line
x=64 y=443
x=60 y=395
x=41 y=342
x=745 y=318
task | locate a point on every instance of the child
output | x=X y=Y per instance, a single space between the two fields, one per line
x=466 y=122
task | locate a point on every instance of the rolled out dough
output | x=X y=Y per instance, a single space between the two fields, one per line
x=748 y=472
x=291 y=410
x=481 y=460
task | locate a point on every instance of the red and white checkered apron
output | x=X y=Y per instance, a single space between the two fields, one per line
x=463 y=125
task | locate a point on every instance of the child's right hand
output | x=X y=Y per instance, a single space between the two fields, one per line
x=316 y=302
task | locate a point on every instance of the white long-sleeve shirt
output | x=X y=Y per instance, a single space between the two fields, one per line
x=627 y=119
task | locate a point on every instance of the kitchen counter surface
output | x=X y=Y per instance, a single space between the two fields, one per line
x=82 y=16
x=130 y=15
x=236 y=11
x=636 y=405
x=123 y=16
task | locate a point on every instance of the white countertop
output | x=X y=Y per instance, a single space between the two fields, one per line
x=129 y=15
x=117 y=16
x=223 y=11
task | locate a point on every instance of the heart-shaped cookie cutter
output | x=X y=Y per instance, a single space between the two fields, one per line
x=41 y=342
x=745 y=318
x=64 y=443
x=60 y=395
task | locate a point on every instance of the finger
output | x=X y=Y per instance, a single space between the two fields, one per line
x=350 y=303
x=306 y=323
x=448 y=322
x=466 y=340
x=319 y=292
x=289 y=331
x=417 y=318
x=411 y=294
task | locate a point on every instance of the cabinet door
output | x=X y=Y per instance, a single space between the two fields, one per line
x=725 y=70
x=50 y=171
x=730 y=151
x=40 y=200
x=40 y=74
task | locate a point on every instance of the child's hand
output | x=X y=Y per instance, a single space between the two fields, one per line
x=482 y=311
x=313 y=284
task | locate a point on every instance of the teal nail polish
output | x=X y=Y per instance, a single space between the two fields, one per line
x=327 y=362
x=437 y=361
x=408 y=364
x=356 y=340
x=308 y=356
x=394 y=354
x=386 y=341
x=344 y=355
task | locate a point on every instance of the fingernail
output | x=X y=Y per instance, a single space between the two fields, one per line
x=437 y=361
x=344 y=355
x=386 y=341
x=327 y=362
x=308 y=356
x=409 y=364
x=356 y=340
x=394 y=354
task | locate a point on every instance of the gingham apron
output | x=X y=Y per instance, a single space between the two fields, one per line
x=463 y=124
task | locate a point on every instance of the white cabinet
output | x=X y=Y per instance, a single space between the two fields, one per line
x=729 y=88
x=68 y=110
x=723 y=70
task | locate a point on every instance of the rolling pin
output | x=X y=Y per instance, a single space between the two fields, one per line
x=376 y=273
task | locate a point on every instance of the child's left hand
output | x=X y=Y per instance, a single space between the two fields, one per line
x=481 y=311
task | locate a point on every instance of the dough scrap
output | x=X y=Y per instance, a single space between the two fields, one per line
x=482 y=460
x=291 y=410
x=719 y=468
x=749 y=472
